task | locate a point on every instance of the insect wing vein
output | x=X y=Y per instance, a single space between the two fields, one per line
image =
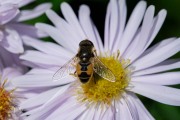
x=65 y=70
x=103 y=71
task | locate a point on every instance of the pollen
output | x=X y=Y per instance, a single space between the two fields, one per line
x=6 y=100
x=99 y=90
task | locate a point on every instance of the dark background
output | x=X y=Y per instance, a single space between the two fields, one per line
x=171 y=28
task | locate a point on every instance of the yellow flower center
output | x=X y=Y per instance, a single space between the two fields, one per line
x=6 y=102
x=103 y=91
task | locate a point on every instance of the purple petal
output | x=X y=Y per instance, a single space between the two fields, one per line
x=8 y=12
x=27 y=30
x=162 y=94
x=12 y=41
x=31 y=14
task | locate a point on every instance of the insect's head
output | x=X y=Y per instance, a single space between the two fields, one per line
x=85 y=43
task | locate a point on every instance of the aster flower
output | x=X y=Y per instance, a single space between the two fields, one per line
x=11 y=28
x=9 y=96
x=137 y=68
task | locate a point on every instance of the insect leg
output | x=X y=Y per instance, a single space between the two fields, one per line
x=73 y=74
x=73 y=65
x=95 y=52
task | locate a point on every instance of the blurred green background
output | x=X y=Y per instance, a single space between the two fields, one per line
x=170 y=28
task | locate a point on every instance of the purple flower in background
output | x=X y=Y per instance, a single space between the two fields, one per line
x=137 y=67
x=11 y=32
x=10 y=95
x=11 y=26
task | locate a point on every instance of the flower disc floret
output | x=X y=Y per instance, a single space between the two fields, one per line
x=6 y=102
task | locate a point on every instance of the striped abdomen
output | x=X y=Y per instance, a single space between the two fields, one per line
x=84 y=71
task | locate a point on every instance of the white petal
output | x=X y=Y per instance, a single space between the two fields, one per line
x=9 y=59
x=69 y=110
x=157 y=56
x=170 y=78
x=138 y=44
x=151 y=28
x=158 y=21
x=123 y=112
x=30 y=14
x=118 y=113
x=20 y=3
x=132 y=26
x=42 y=97
x=161 y=67
x=130 y=51
x=24 y=29
x=89 y=113
x=24 y=2
x=68 y=31
x=7 y=13
x=1 y=65
x=87 y=25
x=43 y=58
x=8 y=74
x=163 y=94
x=11 y=72
x=40 y=80
x=46 y=109
x=122 y=21
x=48 y=47
x=1 y=35
x=39 y=71
x=131 y=106
x=107 y=24
x=108 y=114
x=115 y=18
x=55 y=99
x=98 y=113
x=57 y=36
x=148 y=32
x=161 y=44
x=13 y=42
x=56 y=19
x=38 y=99
x=36 y=65
x=113 y=22
x=141 y=110
x=83 y=116
x=72 y=19
x=99 y=40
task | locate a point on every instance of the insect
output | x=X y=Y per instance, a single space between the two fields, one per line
x=84 y=64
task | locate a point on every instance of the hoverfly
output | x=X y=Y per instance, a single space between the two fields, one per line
x=85 y=63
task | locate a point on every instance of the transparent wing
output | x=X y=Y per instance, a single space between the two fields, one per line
x=103 y=71
x=65 y=70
